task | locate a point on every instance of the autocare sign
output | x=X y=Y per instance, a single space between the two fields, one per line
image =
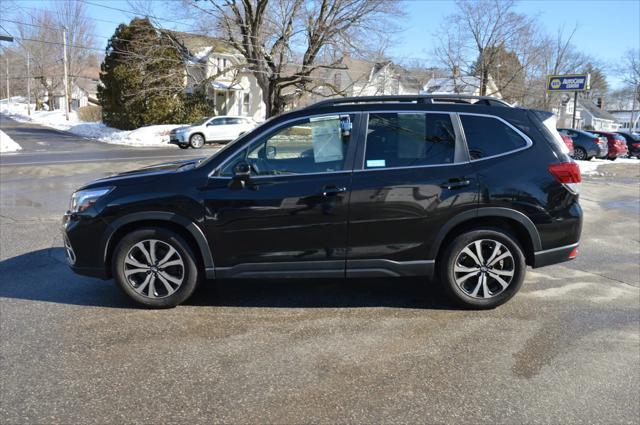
x=572 y=82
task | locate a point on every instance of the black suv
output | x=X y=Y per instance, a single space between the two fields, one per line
x=464 y=189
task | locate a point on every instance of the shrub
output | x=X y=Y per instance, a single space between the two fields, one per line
x=90 y=113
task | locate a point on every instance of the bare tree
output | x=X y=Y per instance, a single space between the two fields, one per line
x=476 y=37
x=72 y=15
x=630 y=72
x=39 y=36
x=286 y=42
x=559 y=56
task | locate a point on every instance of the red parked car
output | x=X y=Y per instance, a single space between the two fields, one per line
x=617 y=144
x=569 y=142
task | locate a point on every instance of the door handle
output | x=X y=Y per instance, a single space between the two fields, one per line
x=457 y=183
x=332 y=190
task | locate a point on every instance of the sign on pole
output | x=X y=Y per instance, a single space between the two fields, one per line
x=570 y=82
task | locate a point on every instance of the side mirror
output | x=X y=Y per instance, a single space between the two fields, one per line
x=241 y=175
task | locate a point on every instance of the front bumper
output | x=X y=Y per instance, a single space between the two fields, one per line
x=178 y=139
x=83 y=252
x=603 y=151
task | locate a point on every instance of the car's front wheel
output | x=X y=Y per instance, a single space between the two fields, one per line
x=482 y=268
x=196 y=141
x=183 y=146
x=155 y=267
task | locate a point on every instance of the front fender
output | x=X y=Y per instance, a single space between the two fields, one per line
x=191 y=227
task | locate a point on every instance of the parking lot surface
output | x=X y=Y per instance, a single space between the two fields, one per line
x=73 y=349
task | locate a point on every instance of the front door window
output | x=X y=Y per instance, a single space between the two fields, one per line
x=313 y=145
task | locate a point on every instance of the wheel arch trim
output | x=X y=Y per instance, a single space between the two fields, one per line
x=193 y=229
x=521 y=218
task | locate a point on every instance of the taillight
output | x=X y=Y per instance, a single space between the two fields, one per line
x=567 y=173
x=636 y=145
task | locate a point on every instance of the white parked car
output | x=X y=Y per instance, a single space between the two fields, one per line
x=212 y=129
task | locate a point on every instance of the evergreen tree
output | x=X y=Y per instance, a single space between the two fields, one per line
x=143 y=79
x=506 y=70
x=599 y=85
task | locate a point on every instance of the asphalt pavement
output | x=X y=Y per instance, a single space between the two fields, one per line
x=43 y=145
x=73 y=349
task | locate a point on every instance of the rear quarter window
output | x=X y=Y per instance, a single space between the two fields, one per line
x=489 y=136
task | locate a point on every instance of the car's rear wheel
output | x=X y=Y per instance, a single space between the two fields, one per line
x=155 y=267
x=580 y=154
x=196 y=141
x=482 y=268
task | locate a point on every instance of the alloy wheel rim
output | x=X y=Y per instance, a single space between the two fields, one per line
x=198 y=141
x=154 y=269
x=579 y=154
x=484 y=269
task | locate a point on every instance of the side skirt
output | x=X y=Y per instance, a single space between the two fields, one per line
x=331 y=269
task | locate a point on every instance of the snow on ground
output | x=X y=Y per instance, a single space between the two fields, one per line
x=150 y=136
x=590 y=168
x=7 y=144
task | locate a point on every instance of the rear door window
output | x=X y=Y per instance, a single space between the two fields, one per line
x=409 y=139
x=488 y=136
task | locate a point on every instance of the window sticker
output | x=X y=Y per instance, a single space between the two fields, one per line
x=376 y=163
x=327 y=143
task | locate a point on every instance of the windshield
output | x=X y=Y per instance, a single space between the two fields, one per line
x=240 y=139
x=201 y=121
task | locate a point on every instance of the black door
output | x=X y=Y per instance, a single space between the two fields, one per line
x=290 y=218
x=414 y=176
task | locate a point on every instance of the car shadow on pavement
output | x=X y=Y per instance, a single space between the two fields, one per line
x=44 y=276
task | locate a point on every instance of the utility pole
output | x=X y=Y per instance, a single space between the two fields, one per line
x=66 y=82
x=8 y=93
x=10 y=40
x=575 y=107
x=28 y=84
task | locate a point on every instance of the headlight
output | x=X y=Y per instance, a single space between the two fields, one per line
x=83 y=199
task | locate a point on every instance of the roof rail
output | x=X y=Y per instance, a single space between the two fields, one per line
x=422 y=98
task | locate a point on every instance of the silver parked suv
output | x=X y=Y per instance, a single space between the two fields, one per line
x=211 y=129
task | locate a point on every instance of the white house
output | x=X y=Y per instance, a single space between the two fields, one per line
x=628 y=119
x=235 y=92
x=587 y=115
x=596 y=118
x=469 y=85
x=354 y=77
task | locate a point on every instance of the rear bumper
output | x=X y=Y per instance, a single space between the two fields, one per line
x=555 y=255
x=616 y=152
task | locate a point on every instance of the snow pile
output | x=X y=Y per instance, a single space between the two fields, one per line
x=590 y=168
x=150 y=136
x=7 y=144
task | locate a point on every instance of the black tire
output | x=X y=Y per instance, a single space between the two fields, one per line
x=190 y=275
x=459 y=293
x=197 y=141
x=183 y=146
x=580 y=154
x=613 y=159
